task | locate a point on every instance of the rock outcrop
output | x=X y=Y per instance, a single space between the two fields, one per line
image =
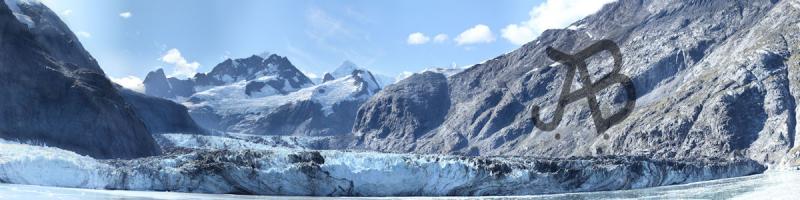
x=403 y=112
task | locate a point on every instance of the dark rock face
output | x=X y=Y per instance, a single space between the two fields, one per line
x=327 y=77
x=49 y=30
x=157 y=84
x=161 y=115
x=53 y=92
x=713 y=79
x=183 y=88
x=412 y=107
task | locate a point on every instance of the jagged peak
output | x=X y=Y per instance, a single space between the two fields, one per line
x=345 y=69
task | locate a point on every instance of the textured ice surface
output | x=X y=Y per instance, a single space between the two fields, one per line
x=261 y=170
x=776 y=185
x=243 y=141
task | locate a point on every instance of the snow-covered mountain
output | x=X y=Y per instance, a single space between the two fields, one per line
x=269 y=96
x=347 y=67
x=325 y=109
x=268 y=75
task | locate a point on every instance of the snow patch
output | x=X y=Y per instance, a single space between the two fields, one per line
x=21 y=17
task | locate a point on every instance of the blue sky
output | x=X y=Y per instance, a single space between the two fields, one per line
x=130 y=38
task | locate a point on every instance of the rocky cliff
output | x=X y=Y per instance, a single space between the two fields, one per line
x=53 y=92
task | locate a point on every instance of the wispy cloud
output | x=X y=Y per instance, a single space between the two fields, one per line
x=66 y=12
x=440 y=38
x=419 y=38
x=549 y=15
x=183 y=68
x=323 y=25
x=126 y=15
x=333 y=35
x=478 y=34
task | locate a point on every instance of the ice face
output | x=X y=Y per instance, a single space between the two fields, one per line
x=776 y=185
x=225 y=166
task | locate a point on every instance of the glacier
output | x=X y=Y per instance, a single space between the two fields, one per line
x=773 y=184
x=221 y=167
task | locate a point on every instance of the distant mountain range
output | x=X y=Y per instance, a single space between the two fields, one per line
x=270 y=96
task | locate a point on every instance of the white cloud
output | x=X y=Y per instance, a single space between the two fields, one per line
x=309 y=74
x=126 y=15
x=549 y=15
x=83 y=34
x=417 y=39
x=518 y=35
x=441 y=37
x=183 y=68
x=478 y=34
x=403 y=75
x=66 y=12
x=131 y=82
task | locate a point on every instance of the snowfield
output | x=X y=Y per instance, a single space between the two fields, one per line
x=250 y=168
x=231 y=99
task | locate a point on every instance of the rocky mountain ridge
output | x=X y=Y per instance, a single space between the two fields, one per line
x=712 y=78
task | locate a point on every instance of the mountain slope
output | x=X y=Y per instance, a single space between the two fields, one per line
x=54 y=93
x=712 y=79
x=161 y=115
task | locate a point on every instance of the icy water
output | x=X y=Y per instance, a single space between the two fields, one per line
x=773 y=185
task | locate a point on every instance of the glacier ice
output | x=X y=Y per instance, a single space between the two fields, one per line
x=264 y=170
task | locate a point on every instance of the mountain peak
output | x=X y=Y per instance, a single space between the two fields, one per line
x=345 y=69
